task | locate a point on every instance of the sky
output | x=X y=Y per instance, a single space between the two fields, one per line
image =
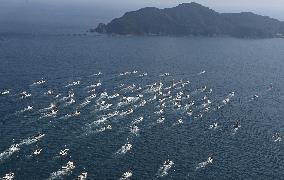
x=71 y=14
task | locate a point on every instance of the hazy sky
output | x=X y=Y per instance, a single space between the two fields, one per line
x=89 y=12
x=219 y=4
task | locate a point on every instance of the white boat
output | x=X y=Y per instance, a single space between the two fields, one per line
x=5 y=92
x=83 y=176
x=37 y=152
x=69 y=166
x=9 y=176
x=64 y=152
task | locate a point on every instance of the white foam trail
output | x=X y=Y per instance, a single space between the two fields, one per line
x=205 y=163
x=103 y=95
x=108 y=127
x=206 y=103
x=111 y=115
x=52 y=114
x=125 y=113
x=24 y=94
x=49 y=92
x=113 y=96
x=128 y=73
x=121 y=86
x=91 y=130
x=137 y=120
x=85 y=103
x=57 y=96
x=37 y=152
x=103 y=107
x=94 y=85
x=164 y=169
x=74 y=83
x=152 y=99
x=236 y=128
x=16 y=147
x=51 y=106
x=31 y=140
x=161 y=111
x=141 y=104
x=67 y=116
x=127 y=101
x=50 y=111
x=29 y=108
x=165 y=74
x=161 y=120
x=58 y=174
x=134 y=129
x=127 y=175
x=64 y=171
x=144 y=74
x=71 y=101
x=203 y=89
x=162 y=100
x=9 y=152
x=124 y=149
x=64 y=152
x=91 y=97
x=214 y=126
x=97 y=74
x=129 y=88
x=254 y=97
x=8 y=176
x=92 y=91
x=228 y=98
x=187 y=108
x=83 y=176
x=179 y=121
x=131 y=99
x=202 y=72
x=39 y=82
x=177 y=105
x=276 y=137
x=125 y=73
x=198 y=116
x=177 y=83
x=168 y=88
x=154 y=88
x=185 y=83
x=5 y=92
x=207 y=109
x=103 y=119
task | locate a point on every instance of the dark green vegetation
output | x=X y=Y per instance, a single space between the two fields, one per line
x=193 y=19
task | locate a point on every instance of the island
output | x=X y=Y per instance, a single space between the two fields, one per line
x=192 y=19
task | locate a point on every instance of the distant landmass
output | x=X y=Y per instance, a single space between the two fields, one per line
x=195 y=20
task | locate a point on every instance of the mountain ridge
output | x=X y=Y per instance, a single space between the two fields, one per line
x=192 y=19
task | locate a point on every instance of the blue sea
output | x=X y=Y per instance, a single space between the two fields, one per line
x=115 y=107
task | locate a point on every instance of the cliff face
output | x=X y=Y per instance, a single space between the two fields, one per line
x=192 y=19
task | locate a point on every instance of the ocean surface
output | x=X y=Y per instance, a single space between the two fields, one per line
x=141 y=107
